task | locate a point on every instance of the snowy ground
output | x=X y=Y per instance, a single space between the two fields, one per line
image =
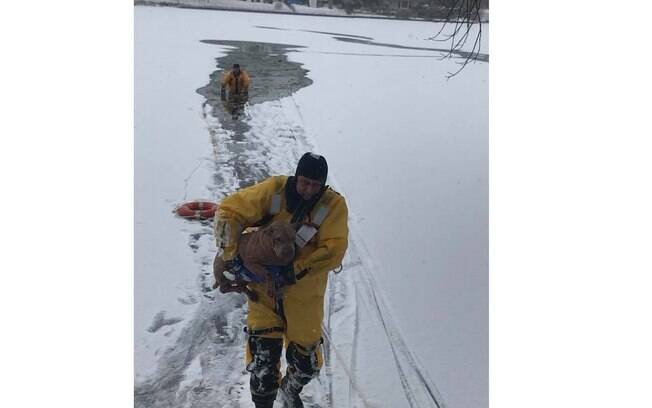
x=406 y=147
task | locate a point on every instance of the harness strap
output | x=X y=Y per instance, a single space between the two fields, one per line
x=259 y=332
x=321 y=213
x=275 y=208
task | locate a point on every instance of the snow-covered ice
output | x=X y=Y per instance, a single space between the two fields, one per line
x=274 y=7
x=407 y=318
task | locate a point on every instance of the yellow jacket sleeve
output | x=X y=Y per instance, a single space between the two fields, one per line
x=333 y=240
x=240 y=210
x=245 y=81
x=226 y=78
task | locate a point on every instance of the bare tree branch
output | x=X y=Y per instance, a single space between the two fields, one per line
x=463 y=16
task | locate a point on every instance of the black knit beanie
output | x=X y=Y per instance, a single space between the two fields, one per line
x=313 y=166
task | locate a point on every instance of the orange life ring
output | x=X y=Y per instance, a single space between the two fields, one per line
x=201 y=210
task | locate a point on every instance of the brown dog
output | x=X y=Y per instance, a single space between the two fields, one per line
x=272 y=245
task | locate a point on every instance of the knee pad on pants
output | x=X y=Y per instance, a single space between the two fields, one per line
x=264 y=365
x=303 y=364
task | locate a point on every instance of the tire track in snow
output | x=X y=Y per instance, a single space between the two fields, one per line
x=419 y=389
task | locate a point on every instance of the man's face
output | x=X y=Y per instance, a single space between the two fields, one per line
x=236 y=71
x=307 y=188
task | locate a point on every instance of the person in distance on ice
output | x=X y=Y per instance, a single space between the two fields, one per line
x=237 y=81
x=293 y=313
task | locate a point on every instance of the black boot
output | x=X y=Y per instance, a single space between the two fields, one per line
x=302 y=367
x=263 y=367
x=288 y=394
x=264 y=404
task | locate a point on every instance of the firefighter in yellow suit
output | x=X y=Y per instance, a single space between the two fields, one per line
x=296 y=315
x=237 y=82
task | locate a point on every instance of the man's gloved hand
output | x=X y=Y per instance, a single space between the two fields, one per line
x=224 y=271
x=218 y=271
x=227 y=277
x=232 y=268
x=223 y=94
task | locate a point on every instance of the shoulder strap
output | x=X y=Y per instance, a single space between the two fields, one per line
x=274 y=208
x=320 y=215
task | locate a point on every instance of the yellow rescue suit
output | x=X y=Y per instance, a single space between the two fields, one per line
x=303 y=302
x=237 y=85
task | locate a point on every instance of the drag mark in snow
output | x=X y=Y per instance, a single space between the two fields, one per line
x=419 y=389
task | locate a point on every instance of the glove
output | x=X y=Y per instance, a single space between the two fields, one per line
x=223 y=94
x=233 y=268
x=228 y=277
x=220 y=266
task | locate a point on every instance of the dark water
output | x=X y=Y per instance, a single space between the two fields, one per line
x=272 y=75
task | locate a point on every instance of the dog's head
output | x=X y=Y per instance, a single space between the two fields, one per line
x=282 y=235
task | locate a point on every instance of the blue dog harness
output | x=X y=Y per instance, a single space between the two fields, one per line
x=242 y=273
